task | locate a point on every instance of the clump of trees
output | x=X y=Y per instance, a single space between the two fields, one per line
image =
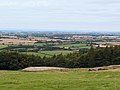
x=82 y=59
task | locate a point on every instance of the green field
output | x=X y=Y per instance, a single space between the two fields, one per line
x=56 y=52
x=35 y=53
x=80 y=45
x=74 y=45
x=40 y=44
x=56 y=80
x=49 y=53
x=3 y=46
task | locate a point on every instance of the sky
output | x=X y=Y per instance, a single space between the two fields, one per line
x=66 y=15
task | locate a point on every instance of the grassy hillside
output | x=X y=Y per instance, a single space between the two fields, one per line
x=56 y=80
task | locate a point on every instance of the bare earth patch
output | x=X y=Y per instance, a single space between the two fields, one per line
x=114 y=68
x=42 y=68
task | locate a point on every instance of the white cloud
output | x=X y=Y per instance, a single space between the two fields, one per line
x=75 y=14
x=24 y=3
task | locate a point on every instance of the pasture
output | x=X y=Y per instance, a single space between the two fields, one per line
x=3 y=46
x=56 y=52
x=49 y=53
x=59 y=80
x=65 y=44
x=108 y=43
x=77 y=46
x=16 y=42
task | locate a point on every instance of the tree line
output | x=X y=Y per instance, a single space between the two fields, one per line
x=82 y=59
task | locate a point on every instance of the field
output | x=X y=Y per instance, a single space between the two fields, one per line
x=3 y=46
x=49 y=53
x=74 y=45
x=57 y=80
x=35 y=53
x=108 y=43
x=56 y=52
x=16 y=41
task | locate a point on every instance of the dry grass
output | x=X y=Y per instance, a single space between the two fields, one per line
x=42 y=68
x=115 y=68
x=45 y=39
x=106 y=68
x=56 y=69
x=108 y=43
x=16 y=41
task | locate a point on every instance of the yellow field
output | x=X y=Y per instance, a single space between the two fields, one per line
x=108 y=43
x=16 y=41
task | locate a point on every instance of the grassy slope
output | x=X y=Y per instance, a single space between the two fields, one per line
x=53 y=80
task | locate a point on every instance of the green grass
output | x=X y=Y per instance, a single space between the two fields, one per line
x=65 y=45
x=3 y=46
x=40 y=44
x=35 y=53
x=75 y=45
x=48 y=53
x=56 y=52
x=56 y=80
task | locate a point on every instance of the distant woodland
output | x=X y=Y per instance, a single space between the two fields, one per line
x=94 y=57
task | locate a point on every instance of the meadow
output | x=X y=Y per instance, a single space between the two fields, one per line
x=3 y=46
x=49 y=53
x=66 y=45
x=74 y=46
x=58 y=80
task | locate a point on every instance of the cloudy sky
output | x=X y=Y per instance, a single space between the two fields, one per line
x=89 y=15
